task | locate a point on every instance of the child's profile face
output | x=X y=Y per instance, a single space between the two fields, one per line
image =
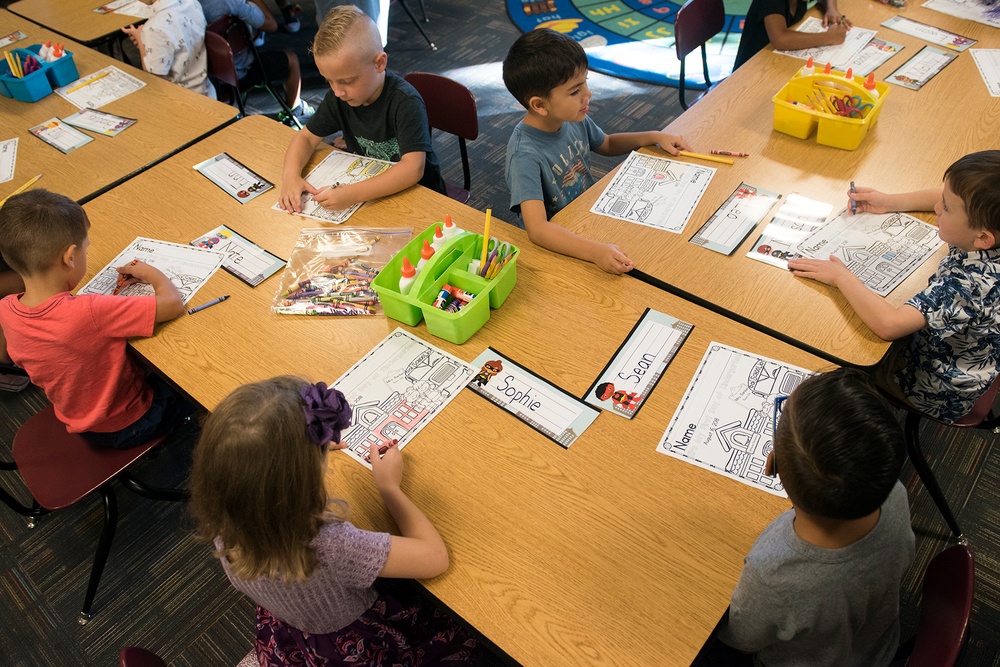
x=569 y=102
x=953 y=221
x=355 y=80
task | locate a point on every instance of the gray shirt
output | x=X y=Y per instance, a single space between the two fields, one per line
x=245 y=11
x=797 y=603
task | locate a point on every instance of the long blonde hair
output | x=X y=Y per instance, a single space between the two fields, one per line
x=257 y=482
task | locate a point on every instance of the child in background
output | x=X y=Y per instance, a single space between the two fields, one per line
x=548 y=155
x=821 y=584
x=954 y=353
x=171 y=44
x=258 y=494
x=770 y=21
x=276 y=67
x=74 y=347
x=380 y=114
x=11 y=379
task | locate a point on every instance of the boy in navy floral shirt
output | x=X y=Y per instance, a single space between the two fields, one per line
x=954 y=353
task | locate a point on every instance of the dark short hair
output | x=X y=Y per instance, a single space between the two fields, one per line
x=838 y=446
x=539 y=61
x=36 y=227
x=975 y=179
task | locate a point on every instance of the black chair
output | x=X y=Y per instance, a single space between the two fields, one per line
x=697 y=22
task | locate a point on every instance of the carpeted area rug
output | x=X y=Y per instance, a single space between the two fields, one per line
x=633 y=39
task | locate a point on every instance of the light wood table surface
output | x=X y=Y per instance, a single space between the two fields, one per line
x=918 y=134
x=607 y=553
x=169 y=118
x=75 y=19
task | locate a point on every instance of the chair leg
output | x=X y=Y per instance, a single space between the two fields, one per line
x=423 y=11
x=680 y=88
x=103 y=550
x=413 y=18
x=927 y=476
x=280 y=99
x=466 y=175
x=704 y=65
x=152 y=492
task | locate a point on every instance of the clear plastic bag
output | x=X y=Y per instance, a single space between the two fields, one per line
x=330 y=271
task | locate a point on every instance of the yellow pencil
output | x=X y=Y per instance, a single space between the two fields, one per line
x=87 y=82
x=486 y=239
x=20 y=189
x=710 y=158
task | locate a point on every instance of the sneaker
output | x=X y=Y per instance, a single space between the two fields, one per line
x=290 y=14
x=258 y=41
x=13 y=383
x=303 y=111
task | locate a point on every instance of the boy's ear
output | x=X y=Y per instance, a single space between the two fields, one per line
x=539 y=105
x=69 y=257
x=986 y=240
x=381 y=60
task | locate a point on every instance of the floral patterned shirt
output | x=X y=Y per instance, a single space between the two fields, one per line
x=174 y=43
x=953 y=360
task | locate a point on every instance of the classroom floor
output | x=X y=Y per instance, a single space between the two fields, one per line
x=161 y=589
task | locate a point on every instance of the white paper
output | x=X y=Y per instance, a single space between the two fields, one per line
x=136 y=9
x=235 y=178
x=929 y=33
x=654 y=191
x=187 y=267
x=838 y=55
x=988 y=62
x=15 y=36
x=921 y=68
x=337 y=168
x=972 y=10
x=8 y=159
x=103 y=89
x=725 y=422
x=396 y=389
x=100 y=122
x=797 y=218
x=880 y=249
x=875 y=52
x=736 y=219
x=64 y=137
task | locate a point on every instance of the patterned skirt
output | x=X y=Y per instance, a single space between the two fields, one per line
x=390 y=633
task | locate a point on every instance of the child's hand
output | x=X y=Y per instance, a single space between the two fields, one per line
x=133 y=34
x=834 y=17
x=612 y=260
x=673 y=144
x=291 y=194
x=136 y=272
x=869 y=200
x=335 y=197
x=836 y=34
x=387 y=468
x=826 y=271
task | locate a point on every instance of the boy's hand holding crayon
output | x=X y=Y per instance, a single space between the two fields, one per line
x=871 y=201
x=387 y=467
x=336 y=197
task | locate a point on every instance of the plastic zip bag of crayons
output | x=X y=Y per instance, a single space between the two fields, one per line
x=330 y=271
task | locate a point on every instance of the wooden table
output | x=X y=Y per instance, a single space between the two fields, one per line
x=75 y=19
x=170 y=118
x=603 y=554
x=919 y=133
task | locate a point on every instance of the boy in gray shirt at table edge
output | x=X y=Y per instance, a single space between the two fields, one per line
x=820 y=585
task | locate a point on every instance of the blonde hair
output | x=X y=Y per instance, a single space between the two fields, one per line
x=257 y=482
x=346 y=21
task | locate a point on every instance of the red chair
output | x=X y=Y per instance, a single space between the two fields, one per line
x=450 y=108
x=979 y=417
x=60 y=468
x=697 y=22
x=133 y=656
x=945 y=607
x=224 y=39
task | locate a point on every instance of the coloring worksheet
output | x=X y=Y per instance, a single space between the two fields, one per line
x=921 y=68
x=972 y=10
x=632 y=374
x=102 y=87
x=188 y=267
x=550 y=410
x=988 y=63
x=725 y=422
x=397 y=388
x=880 y=249
x=797 y=218
x=875 y=52
x=736 y=218
x=338 y=168
x=838 y=55
x=929 y=33
x=8 y=159
x=244 y=259
x=654 y=191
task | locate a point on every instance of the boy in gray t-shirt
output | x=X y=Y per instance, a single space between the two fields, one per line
x=820 y=585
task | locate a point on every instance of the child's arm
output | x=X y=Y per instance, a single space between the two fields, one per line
x=549 y=235
x=265 y=23
x=408 y=171
x=135 y=34
x=623 y=142
x=888 y=322
x=873 y=201
x=420 y=553
x=832 y=16
x=168 y=300
x=300 y=149
x=783 y=38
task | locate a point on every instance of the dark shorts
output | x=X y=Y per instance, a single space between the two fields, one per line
x=167 y=411
x=272 y=64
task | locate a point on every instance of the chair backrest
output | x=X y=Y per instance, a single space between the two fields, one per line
x=133 y=656
x=944 y=608
x=221 y=65
x=450 y=105
x=697 y=22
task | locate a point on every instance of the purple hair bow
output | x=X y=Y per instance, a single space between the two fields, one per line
x=327 y=412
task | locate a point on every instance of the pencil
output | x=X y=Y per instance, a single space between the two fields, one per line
x=87 y=82
x=20 y=189
x=486 y=238
x=710 y=158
